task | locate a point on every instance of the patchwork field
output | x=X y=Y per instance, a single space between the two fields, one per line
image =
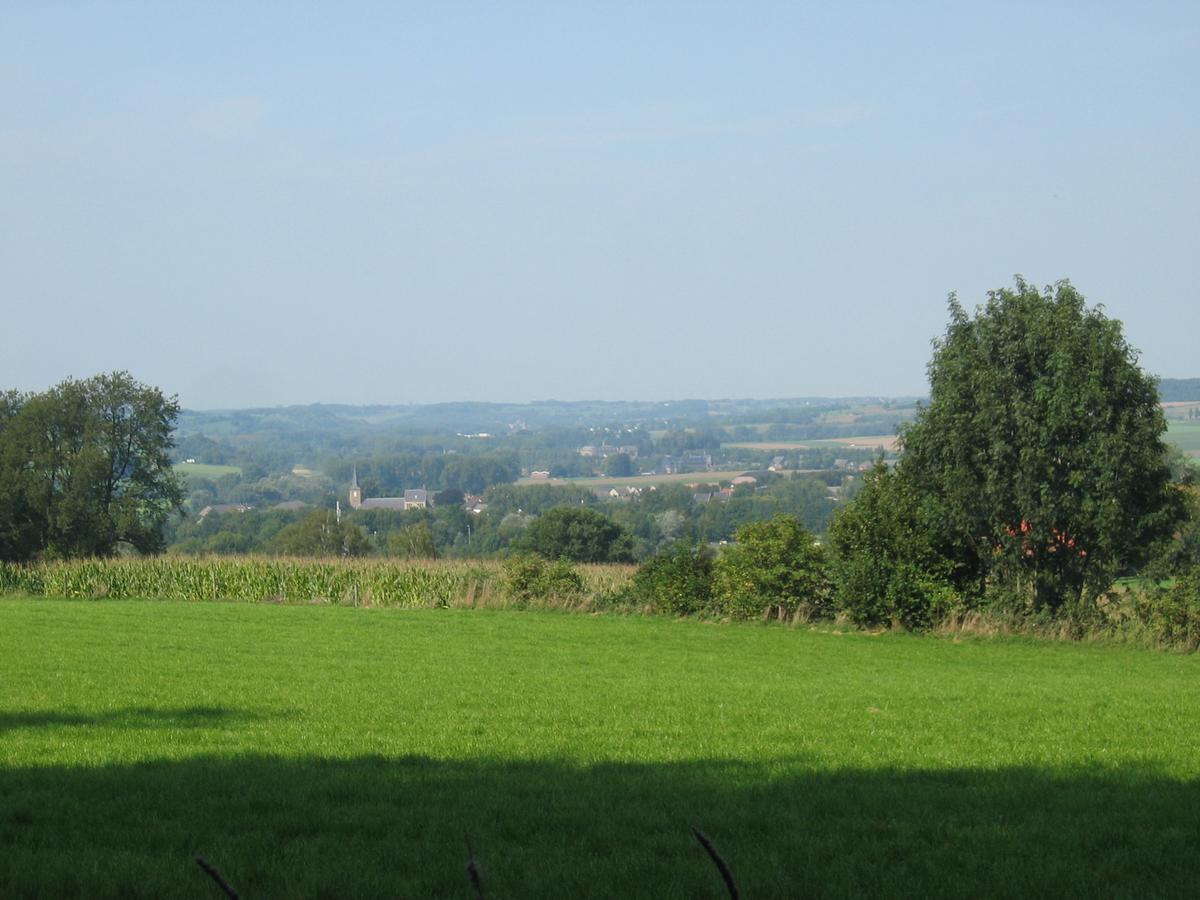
x=326 y=751
x=1185 y=435
x=868 y=441
x=205 y=470
x=642 y=480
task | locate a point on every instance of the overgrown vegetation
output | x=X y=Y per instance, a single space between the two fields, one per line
x=528 y=578
x=1171 y=613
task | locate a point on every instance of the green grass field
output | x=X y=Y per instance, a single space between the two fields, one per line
x=337 y=752
x=1186 y=436
x=204 y=470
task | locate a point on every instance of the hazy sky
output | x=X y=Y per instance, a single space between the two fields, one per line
x=257 y=204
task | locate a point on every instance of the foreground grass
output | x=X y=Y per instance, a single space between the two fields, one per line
x=325 y=751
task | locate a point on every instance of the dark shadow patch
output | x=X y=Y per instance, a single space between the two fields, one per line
x=387 y=827
x=130 y=717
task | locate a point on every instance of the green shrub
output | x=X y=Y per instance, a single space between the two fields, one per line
x=677 y=581
x=1172 y=614
x=885 y=567
x=521 y=576
x=772 y=565
x=1181 y=551
x=560 y=580
x=527 y=577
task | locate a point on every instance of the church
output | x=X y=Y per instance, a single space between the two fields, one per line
x=414 y=499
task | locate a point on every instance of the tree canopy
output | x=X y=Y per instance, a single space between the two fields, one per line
x=321 y=533
x=1038 y=463
x=579 y=534
x=84 y=468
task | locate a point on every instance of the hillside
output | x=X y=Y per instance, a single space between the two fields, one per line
x=1179 y=390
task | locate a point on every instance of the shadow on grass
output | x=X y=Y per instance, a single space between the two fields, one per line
x=129 y=717
x=397 y=827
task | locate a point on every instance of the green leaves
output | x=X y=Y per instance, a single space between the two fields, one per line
x=678 y=580
x=578 y=534
x=322 y=534
x=1040 y=424
x=85 y=467
x=886 y=564
x=774 y=564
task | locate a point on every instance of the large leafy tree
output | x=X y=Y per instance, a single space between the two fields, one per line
x=1039 y=461
x=578 y=534
x=85 y=468
x=321 y=533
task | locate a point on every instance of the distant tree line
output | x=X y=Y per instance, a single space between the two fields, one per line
x=1179 y=390
x=644 y=523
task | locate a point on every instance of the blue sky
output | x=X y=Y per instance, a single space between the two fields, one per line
x=257 y=204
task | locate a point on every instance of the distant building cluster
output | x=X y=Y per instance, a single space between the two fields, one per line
x=417 y=498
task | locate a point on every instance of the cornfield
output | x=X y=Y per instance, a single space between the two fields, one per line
x=389 y=583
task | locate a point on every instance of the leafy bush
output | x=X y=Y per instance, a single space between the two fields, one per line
x=1181 y=551
x=772 y=565
x=1173 y=614
x=561 y=580
x=528 y=577
x=676 y=581
x=885 y=567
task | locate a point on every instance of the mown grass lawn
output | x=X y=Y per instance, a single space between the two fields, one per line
x=324 y=751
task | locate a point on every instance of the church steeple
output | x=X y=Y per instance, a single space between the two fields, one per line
x=355 y=490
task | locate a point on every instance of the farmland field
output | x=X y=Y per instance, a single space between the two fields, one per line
x=868 y=441
x=642 y=480
x=1180 y=410
x=204 y=470
x=330 y=751
x=1186 y=436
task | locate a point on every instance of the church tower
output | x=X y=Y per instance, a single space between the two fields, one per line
x=355 y=490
